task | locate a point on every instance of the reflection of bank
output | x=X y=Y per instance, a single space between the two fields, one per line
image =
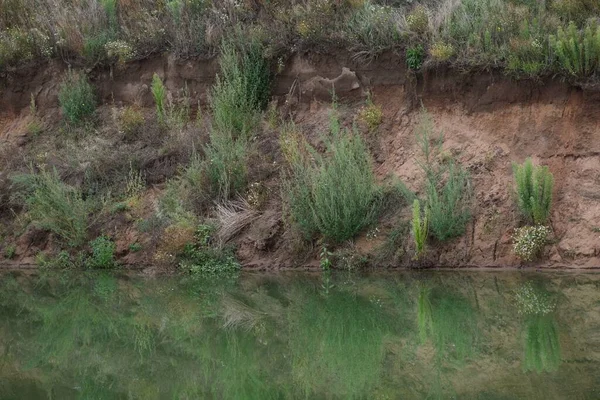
x=541 y=334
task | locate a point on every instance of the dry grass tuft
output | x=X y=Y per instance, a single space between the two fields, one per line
x=233 y=217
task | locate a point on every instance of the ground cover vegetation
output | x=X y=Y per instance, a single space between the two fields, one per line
x=524 y=38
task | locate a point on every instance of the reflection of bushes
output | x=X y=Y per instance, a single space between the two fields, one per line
x=448 y=319
x=542 y=346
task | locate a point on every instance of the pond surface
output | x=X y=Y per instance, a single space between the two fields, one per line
x=403 y=335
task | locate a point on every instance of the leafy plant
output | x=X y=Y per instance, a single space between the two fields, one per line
x=241 y=90
x=10 y=252
x=103 y=253
x=419 y=228
x=371 y=115
x=578 y=52
x=55 y=206
x=76 y=97
x=414 y=57
x=159 y=93
x=226 y=164
x=534 y=186
x=206 y=259
x=529 y=241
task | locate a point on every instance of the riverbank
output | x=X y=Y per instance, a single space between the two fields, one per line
x=488 y=121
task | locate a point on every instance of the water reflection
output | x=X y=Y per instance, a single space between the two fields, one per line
x=403 y=335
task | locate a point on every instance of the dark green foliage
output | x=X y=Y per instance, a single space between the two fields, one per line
x=76 y=97
x=414 y=57
x=534 y=185
x=206 y=258
x=103 y=253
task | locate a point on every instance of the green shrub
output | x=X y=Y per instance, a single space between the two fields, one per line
x=55 y=206
x=419 y=228
x=103 y=253
x=414 y=57
x=76 y=97
x=578 y=52
x=534 y=186
x=226 y=164
x=159 y=92
x=242 y=88
x=529 y=241
x=335 y=194
x=10 y=252
x=204 y=258
x=448 y=202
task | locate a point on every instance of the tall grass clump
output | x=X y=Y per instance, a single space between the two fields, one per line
x=226 y=164
x=534 y=186
x=160 y=96
x=55 y=206
x=448 y=186
x=334 y=194
x=448 y=202
x=242 y=87
x=578 y=51
x=76 y=97
x=419 y=228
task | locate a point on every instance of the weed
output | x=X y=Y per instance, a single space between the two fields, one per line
x=203 y=259
x=325 y=259
x=441 y=51
x=334 y=194
x=414 y=57
x=76 y=97
x=419 y=228
x=135 y=247
x=448 y=202
x=159 y=93
x=529 y=241
x=103 y=253
x=131 y=120
x=371 y=115
x=534 y=186
x=10 y=252
x=417 y=20
x=226 y=164
x=55 y=206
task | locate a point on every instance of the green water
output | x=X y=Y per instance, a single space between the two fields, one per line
x=404 y=335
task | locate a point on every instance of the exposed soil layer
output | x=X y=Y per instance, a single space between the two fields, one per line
x=488 y=121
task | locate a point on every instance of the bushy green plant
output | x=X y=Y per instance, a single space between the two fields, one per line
x=334 y=194
x=55 y=206
x=10 y=252
x=226 y=163
x=529 y=241
x=76 y=97
x=242 y=88
x=103 y=253
x=419 y=228
x=207 y=259
x=414 y=57
x=534 y=185
x=159 y=92
x=448 y=202
x=578 y=51
x=371 y=115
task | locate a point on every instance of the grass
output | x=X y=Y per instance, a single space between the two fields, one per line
x=525 y=38
x=334 y=194
x=76 y=97
x=55 y=206
x=419 y=228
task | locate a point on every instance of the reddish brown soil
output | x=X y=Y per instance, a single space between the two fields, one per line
x=488 y=122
